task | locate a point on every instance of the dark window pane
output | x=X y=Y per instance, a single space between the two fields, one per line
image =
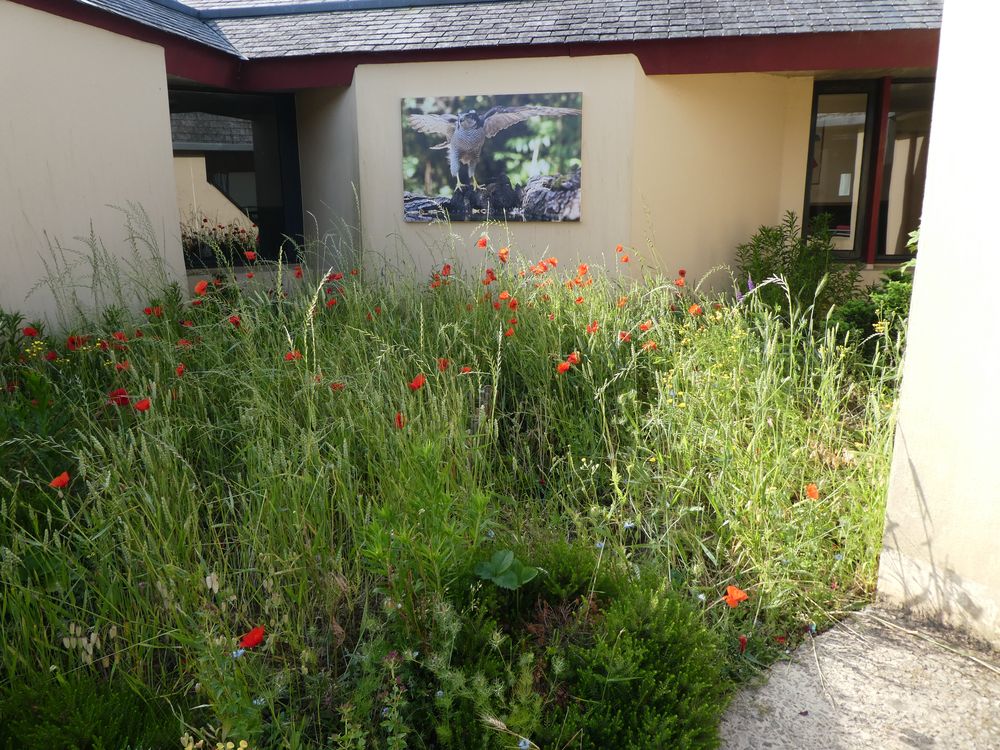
x=905 y=165
x=836 y=180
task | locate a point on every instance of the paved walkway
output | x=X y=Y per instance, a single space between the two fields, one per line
x=874 y=681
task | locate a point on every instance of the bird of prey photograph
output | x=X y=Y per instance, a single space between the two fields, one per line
x=511 y=157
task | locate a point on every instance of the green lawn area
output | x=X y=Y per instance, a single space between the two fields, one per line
x=467 y=512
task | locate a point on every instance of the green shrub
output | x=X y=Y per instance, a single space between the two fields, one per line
x=807 y=264
x=653 y=677
x=80 y=711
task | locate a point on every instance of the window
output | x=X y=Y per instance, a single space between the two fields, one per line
x=868 y=163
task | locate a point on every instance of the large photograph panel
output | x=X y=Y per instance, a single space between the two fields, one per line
x=512 y=157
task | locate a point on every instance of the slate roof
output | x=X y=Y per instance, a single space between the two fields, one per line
x=165 y=18
x=207 y=128
x=512 y=22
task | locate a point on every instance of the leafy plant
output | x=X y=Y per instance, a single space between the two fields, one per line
x=505 y=570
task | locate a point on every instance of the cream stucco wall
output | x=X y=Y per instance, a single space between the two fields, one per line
x=199 y=199
x=371 y=110
x=719 y=155
x=682 y=168
x=941 y=556
x=84 y=126
x=328 y=142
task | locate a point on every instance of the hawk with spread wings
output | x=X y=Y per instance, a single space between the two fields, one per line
x=466 y=133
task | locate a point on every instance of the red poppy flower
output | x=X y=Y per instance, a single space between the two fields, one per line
x=29 y=331
x=482 y=241
x=649 y=346
x=118 y=397
x=503 y=254
x=201 y=288
x=625 y=335
x=624 y=259
x=496 y=305
x=148 y=310
x=119 y=336
x=235 y=320
x=354 y=272
x=331 y=302
x=142 y=405
x=183 y=343
x=573 y=358
x=196 y=302
x=579 y=300
x=619 y=248
x=679 y=281
x=254 y=638
x=743 y=643
x=51 y=356
x=187 y=323
x=75 y=342
x=60 y=481
x=418 y=382
x=466 y=369
x=695 y=309
x=294 y=354
x=400 y=420
x=504 y=295
x=592 y=327
x=102 y=345
x=337 y=386
x=509 y=332
x=622 y=301
x=138 y=333
x=180 y=370
x=812 y=491
x=157 y=312
x=645 y=326
x=446 y=269
x=250 y=275
x=298 y=272
x=734 y=596
x=562 y=367
x=682 y=273
x=122 y=366
x=442 y=363
x=251 y=256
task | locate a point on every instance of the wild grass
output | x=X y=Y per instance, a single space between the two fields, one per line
x=260 y=490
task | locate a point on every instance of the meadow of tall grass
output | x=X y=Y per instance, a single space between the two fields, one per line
x=534 y=506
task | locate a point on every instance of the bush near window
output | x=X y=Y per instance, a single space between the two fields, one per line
x=884 y=307
x=813 y=275
x=278 y=511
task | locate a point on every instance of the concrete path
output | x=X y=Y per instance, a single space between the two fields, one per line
x=874 y=681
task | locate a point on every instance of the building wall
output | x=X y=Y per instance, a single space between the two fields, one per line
x=682 y=168
x=84 y=126
x=941 y=557
x=197 y=198
x=328 y=148
x=717 y=156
